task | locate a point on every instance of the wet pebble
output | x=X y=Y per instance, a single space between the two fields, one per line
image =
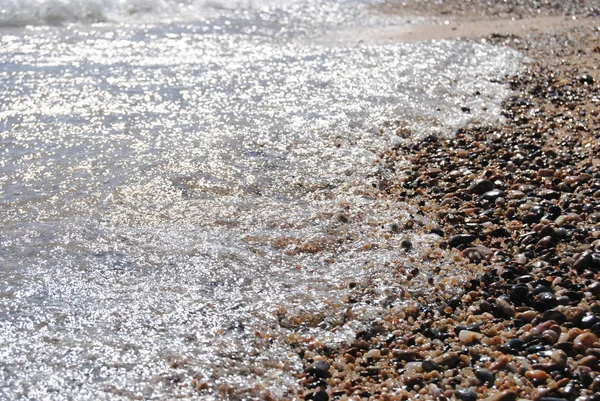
x=319 y=369
x=584 y=341
x=461 y=239
x=468 y=337
x=480 y=186
x=544 y=301
x=485 y=376
x=466 y=394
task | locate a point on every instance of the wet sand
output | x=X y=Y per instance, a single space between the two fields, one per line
x=518 y=203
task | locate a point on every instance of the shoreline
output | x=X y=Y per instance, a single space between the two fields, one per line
x=519 y=201
x=461 y=28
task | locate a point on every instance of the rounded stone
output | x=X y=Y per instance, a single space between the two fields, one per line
x=466 y=394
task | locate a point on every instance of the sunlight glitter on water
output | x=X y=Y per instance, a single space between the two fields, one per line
x=169 y=190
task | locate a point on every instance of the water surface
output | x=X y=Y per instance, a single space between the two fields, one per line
x=173 y=177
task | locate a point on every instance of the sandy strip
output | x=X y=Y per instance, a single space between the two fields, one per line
x=461 y=28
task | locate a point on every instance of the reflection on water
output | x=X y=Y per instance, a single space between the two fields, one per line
x=177 y=198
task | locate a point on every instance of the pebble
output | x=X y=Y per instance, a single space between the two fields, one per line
x=476 y=253
x=466 y=394
x=448 y=360
x=584 y=341
x=467 y=336
x=493 y=195
x=319 y=369
x=485 y=376
x=461 y=239
x=480 y=186
x=537 y=375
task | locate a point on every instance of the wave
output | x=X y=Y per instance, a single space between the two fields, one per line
x=18 y=13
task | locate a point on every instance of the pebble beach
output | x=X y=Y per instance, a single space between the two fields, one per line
x=515 y=203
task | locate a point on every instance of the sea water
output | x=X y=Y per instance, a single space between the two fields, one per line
x=185 y=185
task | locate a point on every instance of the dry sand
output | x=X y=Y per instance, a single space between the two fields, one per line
x=457 y=28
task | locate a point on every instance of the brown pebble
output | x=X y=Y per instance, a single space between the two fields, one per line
x=449 y=359
x=584 y=341
x=559 y=357
x=549 y=337
x=589 y=361
x=499 y=363
x=536 y=375
x=505 y=308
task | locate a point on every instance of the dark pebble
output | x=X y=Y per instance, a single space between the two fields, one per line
x=594 y=288
x=501 y=232
x=319 y=369
x=586 y=79
x=585 y=261
x=596 y=329
x=493 y=195
x=588 y=321
x=486 y=377
x=406 y=245
x=429 y=366
x=461 y=239
x=437 y=231
x=318 y=396
x=480 y=186
x=515 y=343
x=553 y=314
x=518 y=293
x=466 y=394
x=544 y=301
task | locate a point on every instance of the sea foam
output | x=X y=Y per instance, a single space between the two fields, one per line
x=17 y=13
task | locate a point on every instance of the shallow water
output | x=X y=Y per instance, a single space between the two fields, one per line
x=171 y=187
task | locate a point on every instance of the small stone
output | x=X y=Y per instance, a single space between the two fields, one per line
x=559 y=357
x=544 y=301
x=406 y=245
x=585 y=261
x=512 y=194
x=374 y=353
x=485 y=376
x=319 y=396
x=500 y=362
x=319 y=369
x=476 y=253
x=590 y=361
x=480 y=186
x=504 y=307
x=586 y=79
x=429 y=366
x=594 y=288
x=584 y=341
x=537 y=375
x=545 y=243
x=461 y=239
x=449 y=359
x=468 y=337
x=493 y=195
x=518 y=293
x=466 y=394
x=549 y=337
